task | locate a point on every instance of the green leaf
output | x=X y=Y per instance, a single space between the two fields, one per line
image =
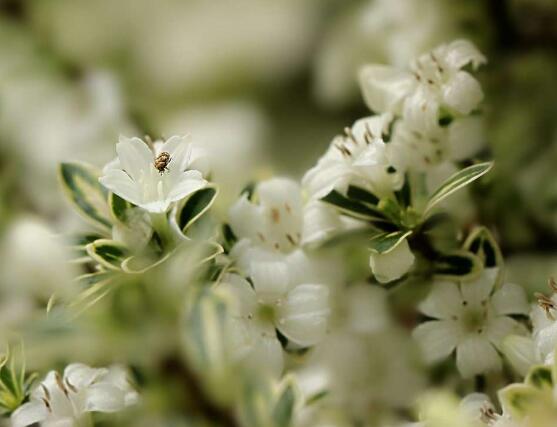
x=540 y=377
x=436 y=220
x=203 y=334
x=386 y=242
x=85 y=281
x=81 y=185
x=362 y=195
x=195 y=206
x=284 y=408
x=78 y=244
x=458 y=265
x=109 y=253
x=482 y=243
x=457 y=181
x=118 y=208
x=358 y=210
x=94 y=287
x=518 y=399
x=228 y=237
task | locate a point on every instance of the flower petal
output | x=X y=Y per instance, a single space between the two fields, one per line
x=134 y=156
x=462 y=92
x=437 y=338
x=476 y=292
x=81 y=376
x=29 y=413
x=498 y=328
x=270 y=279
x=120 y=183
x=188 y=183
x=242 y=292
x=466 y=137
x=510 y=299
x=245 y=219
x=475 y=355
x=462 y=52
x=320 y=222
x=104 y=397
x=546 y=341
x=443 y=302
x=384 y=87
x=302 y=317
x=266 y=355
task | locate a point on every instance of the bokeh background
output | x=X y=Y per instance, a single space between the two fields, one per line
x=264 y=85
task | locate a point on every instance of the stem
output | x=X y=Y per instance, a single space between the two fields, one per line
x=160 y=224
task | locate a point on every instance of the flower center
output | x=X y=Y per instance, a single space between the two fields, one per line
x=473 y=320
x=266 y=313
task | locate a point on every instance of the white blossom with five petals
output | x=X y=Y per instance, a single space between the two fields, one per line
x=472 y=317
x=359 y=157
x=435 y=81
x=134 y=177
x=298 y=311
x=64 y=401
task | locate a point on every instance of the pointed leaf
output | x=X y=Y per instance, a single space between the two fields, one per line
x=518 y=399
x=359 y=210
x=362 y=195
x=540 y=377
x=386 y=242
x=457 y=181
x=118 y=208
x=109 y=253
x=81 y=185
x=195 y=206
x=458 y=265
x=482 y=243
x=284 y=408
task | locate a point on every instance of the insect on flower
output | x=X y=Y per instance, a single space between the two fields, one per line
x=162 y=161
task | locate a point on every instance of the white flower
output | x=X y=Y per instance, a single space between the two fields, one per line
x=435 y=80
x=320 y=222
x=392 y=265
x=298 y=311
x=420 y=148
x=545 y=330
x=274 y=220
x=359 y=157
x=477 y=407
x=277 y=220
x=64 y=400
x=133 y=175
x=472 y=317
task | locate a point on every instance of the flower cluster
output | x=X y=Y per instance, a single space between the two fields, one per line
x=336 y=300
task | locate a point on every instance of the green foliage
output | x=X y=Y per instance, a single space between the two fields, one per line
x=456 y=182
x=82 y=188
x=14 y=382
x=386 y=242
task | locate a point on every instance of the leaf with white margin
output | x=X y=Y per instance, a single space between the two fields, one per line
x=283 y=411
x=482 y=243
x=108 y=253
x=386 y=242
x=138 y=264
x=203 y=338
x=195 y=207
x=540 y=377
x=457 y=181
x=118 y=208
x=457 y=265
x=82 y=188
